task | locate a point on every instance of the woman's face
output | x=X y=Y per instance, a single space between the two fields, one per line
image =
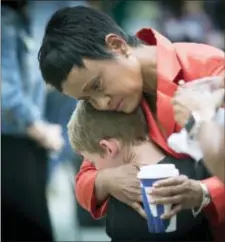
x=107 y=84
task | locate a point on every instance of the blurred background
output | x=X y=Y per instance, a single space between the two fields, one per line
x=25 y=97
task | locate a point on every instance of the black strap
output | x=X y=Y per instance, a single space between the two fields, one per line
x=189 y=124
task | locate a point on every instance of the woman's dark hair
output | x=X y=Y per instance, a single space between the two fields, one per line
x=72 y=34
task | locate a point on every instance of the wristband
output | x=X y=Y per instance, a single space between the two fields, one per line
x=206 y=200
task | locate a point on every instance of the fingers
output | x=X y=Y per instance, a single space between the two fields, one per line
x=212 y=82
x=169 y=190
x=181 y=82
x=134 y=195
x=173 y=181
x=136 y=166
x=131 y=169
x=176 y=209
x=140 y=200
x=168 y=200
x=182 y=92
x=218 y=96
x=139 y=209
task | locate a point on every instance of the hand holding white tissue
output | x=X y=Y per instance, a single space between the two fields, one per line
x=182 y=143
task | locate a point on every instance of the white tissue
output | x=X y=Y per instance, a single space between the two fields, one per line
x=182 y=143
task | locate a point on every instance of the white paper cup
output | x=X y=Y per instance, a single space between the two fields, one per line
x=148 y=175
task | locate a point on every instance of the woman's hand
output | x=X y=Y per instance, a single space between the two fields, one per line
x=122 y=183
x=184 y=193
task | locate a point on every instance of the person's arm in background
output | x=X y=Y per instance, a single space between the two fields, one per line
x=15 y=104
x=13 y=101
x=213 y=148
x=204 y=65
x=211 y=132
x=182 y=109
x=216 y=210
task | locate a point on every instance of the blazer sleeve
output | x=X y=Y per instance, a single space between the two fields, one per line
x=85 y=190
x=215 y=211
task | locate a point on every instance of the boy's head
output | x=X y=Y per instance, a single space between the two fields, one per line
x=86 y=55
x=105 y=138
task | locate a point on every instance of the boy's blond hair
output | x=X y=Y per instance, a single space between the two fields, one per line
x=88 y=126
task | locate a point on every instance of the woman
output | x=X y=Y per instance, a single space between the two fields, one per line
x=86 y=55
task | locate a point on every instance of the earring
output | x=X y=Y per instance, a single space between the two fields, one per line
x=127 y=53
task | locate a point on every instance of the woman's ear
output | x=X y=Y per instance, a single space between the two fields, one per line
x=117 y=45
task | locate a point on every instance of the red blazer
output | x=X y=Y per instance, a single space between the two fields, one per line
x=178 y=61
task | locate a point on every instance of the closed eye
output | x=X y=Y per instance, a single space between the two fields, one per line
x=97 y=85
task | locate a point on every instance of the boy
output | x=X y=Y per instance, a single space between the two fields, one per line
x=111 y=138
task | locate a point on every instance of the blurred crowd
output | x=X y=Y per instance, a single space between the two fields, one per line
x=34 y=117
x=179 y=20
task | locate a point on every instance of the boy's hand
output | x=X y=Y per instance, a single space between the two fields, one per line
x=123 y=184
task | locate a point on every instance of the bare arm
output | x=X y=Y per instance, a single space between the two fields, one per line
x=211 y=135
x=213 y=148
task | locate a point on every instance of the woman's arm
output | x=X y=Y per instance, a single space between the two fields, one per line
x=94 y=187
x=90 y=193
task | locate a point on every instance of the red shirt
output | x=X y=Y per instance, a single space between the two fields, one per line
x=179 y=61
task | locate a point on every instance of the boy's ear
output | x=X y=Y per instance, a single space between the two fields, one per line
x=110 y=147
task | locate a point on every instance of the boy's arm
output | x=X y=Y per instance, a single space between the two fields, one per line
x=86 y=193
